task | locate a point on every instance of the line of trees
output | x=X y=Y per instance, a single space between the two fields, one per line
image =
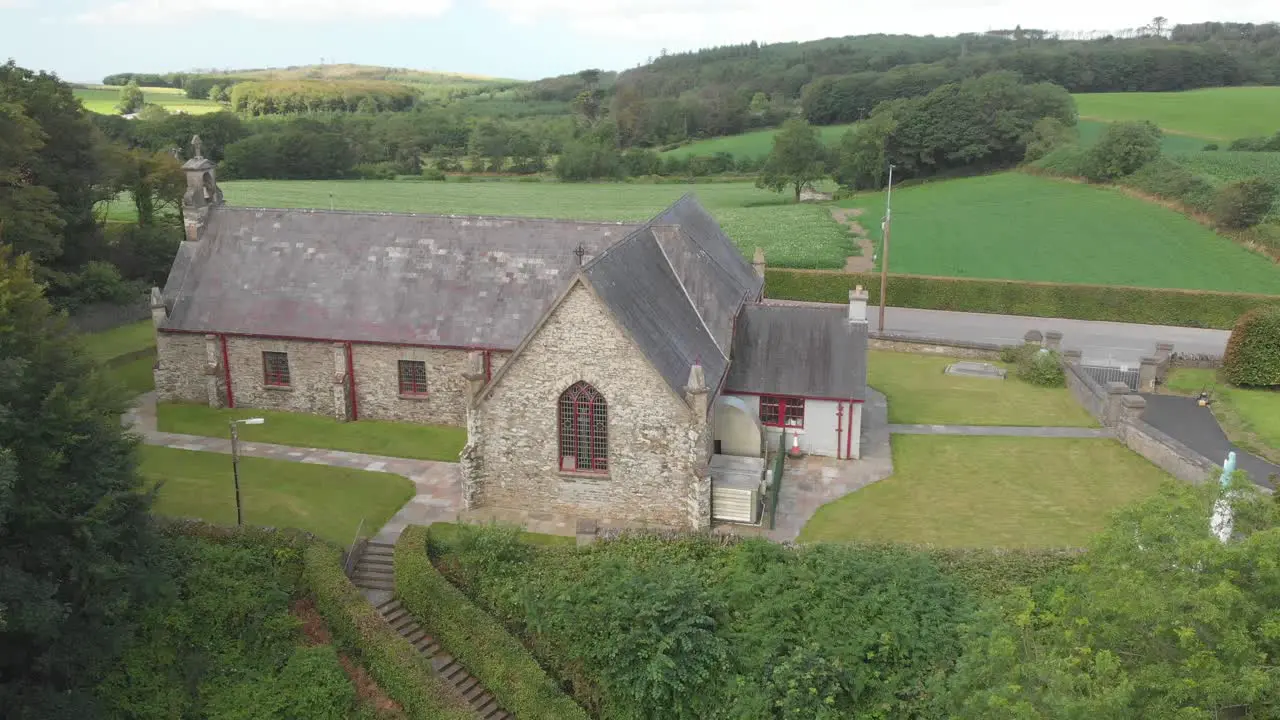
x=283 y=97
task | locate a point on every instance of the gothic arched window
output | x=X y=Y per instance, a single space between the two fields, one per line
x=584 y=430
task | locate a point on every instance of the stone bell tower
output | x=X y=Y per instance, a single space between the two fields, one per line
x=202 y=193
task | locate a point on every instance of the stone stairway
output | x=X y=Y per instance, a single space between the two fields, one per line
x=375 y=574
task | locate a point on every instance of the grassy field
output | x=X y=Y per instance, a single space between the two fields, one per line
x=753 y=144
x=327 y=501
x=1022 y=227
x=791 y=235
x=1091 y=130
x=408 y=440
x=1217 y=113
x=103 y=99
x=1250 y=418
x=920 y=393
x=989 y=491
x=129 y=354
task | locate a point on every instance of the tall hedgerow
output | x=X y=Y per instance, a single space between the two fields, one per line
x=1253 y=352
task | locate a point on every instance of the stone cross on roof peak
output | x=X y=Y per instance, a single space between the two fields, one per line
x=195 y=147
x=580 y=251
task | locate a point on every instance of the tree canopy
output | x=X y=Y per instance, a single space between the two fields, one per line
x=797 y=159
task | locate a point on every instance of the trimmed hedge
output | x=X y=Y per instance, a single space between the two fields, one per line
x=398 y=668
x=1253 y=352
x=484 y=647
x=1153 y=306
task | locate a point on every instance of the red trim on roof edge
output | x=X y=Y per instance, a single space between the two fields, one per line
x=339 y=340
x=806 y=397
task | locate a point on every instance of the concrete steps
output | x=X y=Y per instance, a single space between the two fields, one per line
x=375 y=571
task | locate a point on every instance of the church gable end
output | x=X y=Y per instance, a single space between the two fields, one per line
x=654 y=443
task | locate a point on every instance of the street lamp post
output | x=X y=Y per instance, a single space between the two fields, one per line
x=235 y=459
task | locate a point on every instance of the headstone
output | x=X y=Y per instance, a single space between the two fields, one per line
x=976 y=369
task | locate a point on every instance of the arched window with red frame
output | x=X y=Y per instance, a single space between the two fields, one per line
x=584 y=430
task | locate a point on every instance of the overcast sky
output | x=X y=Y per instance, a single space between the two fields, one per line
x=82 y=40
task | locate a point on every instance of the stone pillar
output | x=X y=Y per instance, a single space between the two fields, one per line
x=757 y=261
x=474 y=374
x=586 y=531
x=1033 y=337
x=214 y=373
x=1073 y=357
x=1164 y=351
x=1115 y=391
x=1147 y=373
x=1132 y=407
x=341 y=384
x=1053 y=340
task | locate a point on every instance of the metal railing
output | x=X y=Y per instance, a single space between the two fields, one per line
x=351 y=553
x=776 y=488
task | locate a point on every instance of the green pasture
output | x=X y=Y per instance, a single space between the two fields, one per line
x=1091 y=131
x=1022 y=227
x=753 y=144
x=103 y=99
x=791 y=235
x=1216 y=113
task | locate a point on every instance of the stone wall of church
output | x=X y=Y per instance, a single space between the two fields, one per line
x=310 y=387
x=656 y=449
x=180 y=366
x=377 y=371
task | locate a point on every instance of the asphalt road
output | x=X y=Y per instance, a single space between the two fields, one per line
x=1100 y=342
x=1195 y=427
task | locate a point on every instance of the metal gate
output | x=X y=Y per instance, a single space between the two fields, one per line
x=1103 y=374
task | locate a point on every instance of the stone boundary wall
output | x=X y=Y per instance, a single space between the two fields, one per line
x=1201 y=362
x=1115 y=408
x=893 y=342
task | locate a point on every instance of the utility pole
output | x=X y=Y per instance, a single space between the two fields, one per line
x=884 y=252
x=235 y=459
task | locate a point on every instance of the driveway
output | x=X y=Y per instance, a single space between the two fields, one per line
x=1194 y=426
x=1100 y=342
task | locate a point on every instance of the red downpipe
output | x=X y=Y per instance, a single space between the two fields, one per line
x=839 y=427
x=848 y=438
x=351 y=376
x=226 y=368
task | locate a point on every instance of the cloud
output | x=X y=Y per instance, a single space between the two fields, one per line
x=164 y=12
x=686 y=24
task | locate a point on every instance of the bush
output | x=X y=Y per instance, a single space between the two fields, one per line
x=1067 y=161
x=1155 y=306
x=1252 y=358
x=1210 y=147
x=376 y=171
x=1047 y=135
x=1042 y=367
x=470 y=634
x=1243 y=204
x=1123 y=148
x=1167 y=179
x=395 y=664
x=433 y=174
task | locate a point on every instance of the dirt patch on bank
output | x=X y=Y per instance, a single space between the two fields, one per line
x=370 y=694
x=865 y=262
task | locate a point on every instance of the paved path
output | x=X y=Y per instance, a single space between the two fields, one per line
x=1002 y=430
x=438 y=486
x=811 y=482
x=1184 y=420
x=1099 y=341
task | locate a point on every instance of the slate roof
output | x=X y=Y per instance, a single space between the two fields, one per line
x=804 y=351
x=376 y=277
x=676 y=283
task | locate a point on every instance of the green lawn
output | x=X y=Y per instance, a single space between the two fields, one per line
x=1218 y=113
x=1023 y=227
x=1091 y=130
x=1250 y=418
x=135 y=375
x=791 y=235
x=103 y=99
x=920 y=393
x=407 y=440
x=748 y=145
x=989 y=491
x=119 y=341
x=327 y=501
x=446 y=533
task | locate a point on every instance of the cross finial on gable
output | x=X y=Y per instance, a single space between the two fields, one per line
x=579 y=251
x=195 y=147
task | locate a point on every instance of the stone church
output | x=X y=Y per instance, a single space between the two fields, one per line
x=602 y=369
